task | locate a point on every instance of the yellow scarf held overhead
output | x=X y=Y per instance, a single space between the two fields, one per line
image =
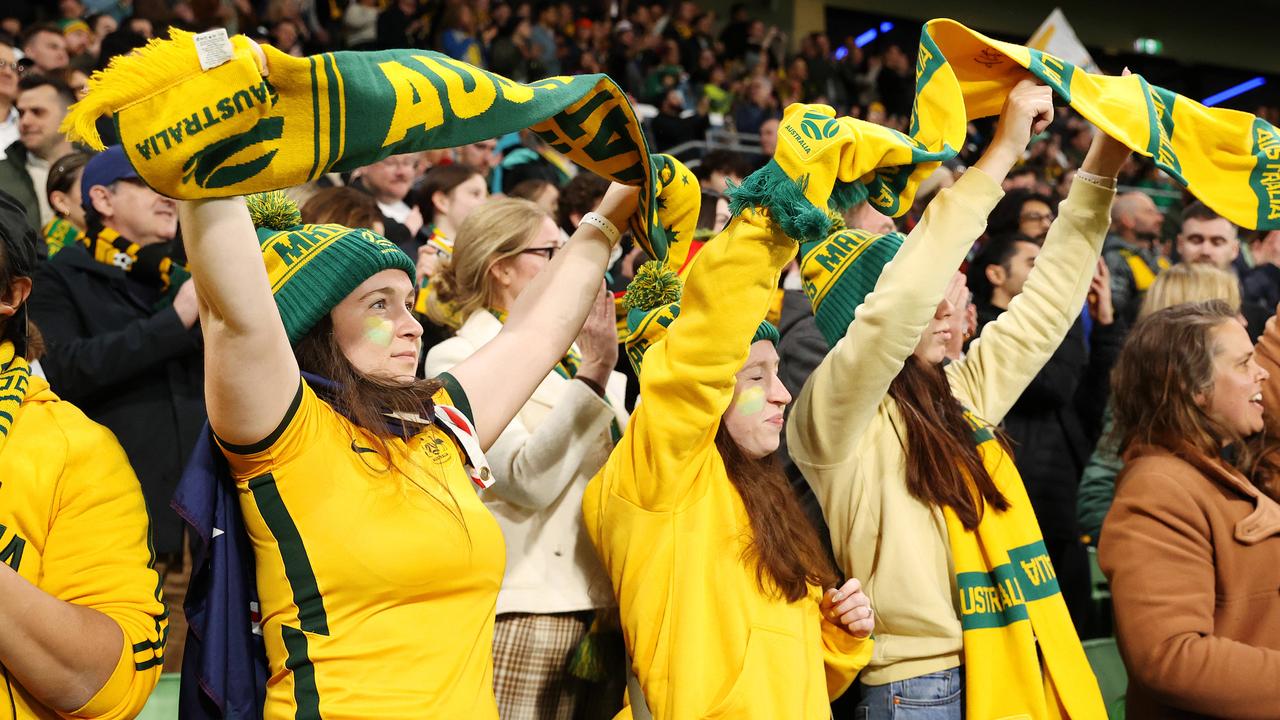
x=1229 y=159
x=1022 y=656
x=243 y=127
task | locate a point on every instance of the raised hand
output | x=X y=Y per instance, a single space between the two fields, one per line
x=1027 y=112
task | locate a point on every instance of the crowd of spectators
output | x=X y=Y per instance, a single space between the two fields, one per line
x=138 y=370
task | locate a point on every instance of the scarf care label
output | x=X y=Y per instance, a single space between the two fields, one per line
x=213 y=48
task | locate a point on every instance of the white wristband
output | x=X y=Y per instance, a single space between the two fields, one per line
x=604 y=225
x=1102 y=182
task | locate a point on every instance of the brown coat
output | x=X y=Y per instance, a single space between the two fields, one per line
x=1192 y=551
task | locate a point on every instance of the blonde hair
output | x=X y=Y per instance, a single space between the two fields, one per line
x=1190 y=282
x=495 y=231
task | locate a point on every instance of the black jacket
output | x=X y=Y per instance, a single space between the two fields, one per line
x=138 y=372
x=15 y=180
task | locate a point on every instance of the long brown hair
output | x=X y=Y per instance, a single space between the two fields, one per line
x=785 y=548
x=944 y=467
x=365 y=400
x=1165 y=363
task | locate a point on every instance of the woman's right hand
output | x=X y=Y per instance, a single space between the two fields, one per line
x=1027 y=112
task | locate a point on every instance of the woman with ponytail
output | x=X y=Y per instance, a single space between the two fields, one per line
x=918 y=489
x=729 y=603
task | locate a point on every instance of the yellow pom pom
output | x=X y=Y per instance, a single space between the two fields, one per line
x=654 y=285
x=273 y=210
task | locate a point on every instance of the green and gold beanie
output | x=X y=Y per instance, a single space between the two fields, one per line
x=313 y=267
x=652 y=303
x=840 y=272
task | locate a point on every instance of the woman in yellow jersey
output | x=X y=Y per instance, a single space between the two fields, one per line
x=377 y=565
x=83 y=626
x=720 y=576
x=921 y=497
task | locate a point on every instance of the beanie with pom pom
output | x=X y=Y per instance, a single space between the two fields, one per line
x=313 y=267
x=652 y=303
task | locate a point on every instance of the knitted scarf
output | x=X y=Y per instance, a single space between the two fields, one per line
x=59 y=233
x=228 y=130
x=1021 y=653
x=1229 y=159
x=149 y=264
x=15 y=375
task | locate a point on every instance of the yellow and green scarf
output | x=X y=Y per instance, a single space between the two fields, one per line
x=1229 y=159
x=229 y=130
x=1022 y=656
x=15 y=375
x=60 y=233
x=151 y=265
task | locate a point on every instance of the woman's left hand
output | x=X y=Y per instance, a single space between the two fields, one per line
x=849 y=608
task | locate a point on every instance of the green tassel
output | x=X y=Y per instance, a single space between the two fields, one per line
x=846 y=195
x=654 y=285
x=273 y=211
x=783 y=197
x=588 y=661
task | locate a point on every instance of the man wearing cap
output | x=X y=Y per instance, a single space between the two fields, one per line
x=42 y=104
x=118 y=316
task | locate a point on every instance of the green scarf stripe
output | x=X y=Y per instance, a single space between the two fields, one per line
x=305 y=694
x=224 y=132
x=297 y=565
x=336 y=113
x=315 y=122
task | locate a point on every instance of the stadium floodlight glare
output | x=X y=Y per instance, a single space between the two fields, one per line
x=1231 y=92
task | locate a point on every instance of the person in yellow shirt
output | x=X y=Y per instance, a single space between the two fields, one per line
x=378 y=567
x=920 y=494
x=728 y=599
x=84 y=627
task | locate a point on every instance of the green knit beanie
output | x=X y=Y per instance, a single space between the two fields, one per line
x=840 y=272
x=313 y=267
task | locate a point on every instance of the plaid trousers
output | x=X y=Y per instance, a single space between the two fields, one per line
x=531 y=655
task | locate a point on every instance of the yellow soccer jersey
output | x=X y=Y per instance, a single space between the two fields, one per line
x=377 y=588
x=74 y=524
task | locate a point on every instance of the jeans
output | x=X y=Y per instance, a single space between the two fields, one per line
x=936 y=696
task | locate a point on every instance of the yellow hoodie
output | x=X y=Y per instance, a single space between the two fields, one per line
x=73 y=523
x=670 y=527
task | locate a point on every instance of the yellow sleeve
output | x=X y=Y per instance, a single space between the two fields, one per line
x=687 y=378
x=98 y=555
x=843 y=656
x=842 y=395
x=297 y=432
x=1014 y=348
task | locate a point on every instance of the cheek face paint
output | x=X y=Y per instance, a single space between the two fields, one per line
x=377 y=331
x=750 y=401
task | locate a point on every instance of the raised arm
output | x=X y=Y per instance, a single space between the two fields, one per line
x=849 y=385
x=242 y=329
x=687 y=378
x=1014 y=348
x=501 y=376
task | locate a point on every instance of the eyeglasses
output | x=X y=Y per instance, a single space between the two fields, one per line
x=1037 y=217
x=15 y=66
x=547 y=252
